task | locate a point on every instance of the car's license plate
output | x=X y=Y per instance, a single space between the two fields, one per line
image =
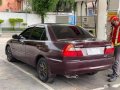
x=94 y=51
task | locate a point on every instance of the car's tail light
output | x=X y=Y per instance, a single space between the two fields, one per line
x=71 y=51
x=109 y=50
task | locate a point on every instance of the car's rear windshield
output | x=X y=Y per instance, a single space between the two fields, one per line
x=67 y=32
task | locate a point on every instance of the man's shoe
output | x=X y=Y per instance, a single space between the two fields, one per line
x=112 y=79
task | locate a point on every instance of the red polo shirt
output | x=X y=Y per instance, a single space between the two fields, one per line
x=116 y=30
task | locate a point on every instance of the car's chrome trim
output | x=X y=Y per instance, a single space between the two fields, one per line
x=52 y=59
x=97 y=67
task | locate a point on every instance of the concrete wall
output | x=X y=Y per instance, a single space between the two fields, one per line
x=50 y=18
x=30 y=18
x=87 y=21
x=62 y=19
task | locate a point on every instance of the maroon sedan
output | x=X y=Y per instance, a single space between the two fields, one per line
x=56 y=49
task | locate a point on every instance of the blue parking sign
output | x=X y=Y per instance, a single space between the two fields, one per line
x=72 y=20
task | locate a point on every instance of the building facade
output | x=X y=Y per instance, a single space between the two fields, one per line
x=11 y=5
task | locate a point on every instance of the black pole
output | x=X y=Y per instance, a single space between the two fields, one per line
x=108 y=4
x=74 y=13
x=94 y=9
x=81 y=12
x=86 y=8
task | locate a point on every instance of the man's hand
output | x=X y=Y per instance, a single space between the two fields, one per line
x=109 y=38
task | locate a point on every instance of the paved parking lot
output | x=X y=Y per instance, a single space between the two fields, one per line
x=19 y=76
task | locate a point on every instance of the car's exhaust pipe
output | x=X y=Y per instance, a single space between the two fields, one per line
x=72 y=76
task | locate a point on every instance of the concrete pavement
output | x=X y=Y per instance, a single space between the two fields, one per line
x=19 y=76
x=14 y=79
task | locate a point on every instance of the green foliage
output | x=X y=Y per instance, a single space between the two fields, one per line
x=1 y=21
x=41 y=7
x=19 y=20
x=27 y=10
x=29 y=2
x=12 y=21
x=65 y=5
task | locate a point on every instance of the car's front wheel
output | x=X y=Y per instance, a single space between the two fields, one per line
x=10 y=57
x=43 y=71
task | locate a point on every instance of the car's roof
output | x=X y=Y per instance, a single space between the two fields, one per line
x=50 y=24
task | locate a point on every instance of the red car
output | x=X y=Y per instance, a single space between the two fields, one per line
x=56 y=49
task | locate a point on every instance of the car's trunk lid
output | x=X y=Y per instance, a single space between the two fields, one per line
x=91 y=48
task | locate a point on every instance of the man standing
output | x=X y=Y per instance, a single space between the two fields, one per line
x=115 y=38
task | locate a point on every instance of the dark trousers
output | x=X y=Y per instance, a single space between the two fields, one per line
x=116 y=65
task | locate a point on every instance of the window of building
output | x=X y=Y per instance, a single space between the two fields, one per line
x=90 y=12
x=0 y=2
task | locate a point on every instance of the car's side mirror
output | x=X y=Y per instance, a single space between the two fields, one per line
x=16 y=36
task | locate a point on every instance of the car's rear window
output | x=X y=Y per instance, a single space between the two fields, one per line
x=67 y=32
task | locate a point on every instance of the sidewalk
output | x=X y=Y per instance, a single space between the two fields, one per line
x=4 y=39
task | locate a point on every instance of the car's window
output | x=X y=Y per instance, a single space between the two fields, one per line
x=43 y=36
x=26 y=34
x=38 y=34
x=65 y=32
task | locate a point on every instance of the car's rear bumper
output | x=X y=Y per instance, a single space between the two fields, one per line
x=80 y=67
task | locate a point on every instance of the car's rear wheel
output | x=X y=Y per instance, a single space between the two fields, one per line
x=10 y=57
x=43 y=71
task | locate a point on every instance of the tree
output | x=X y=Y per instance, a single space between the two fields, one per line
x=65 y=5
x=1 y=21
x=19 y=20
x=29 y=2
x=28 y=8
x=12 y=21
x=41 y=7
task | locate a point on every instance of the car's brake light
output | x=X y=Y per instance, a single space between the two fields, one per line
x=109 y=50
x=71 y=51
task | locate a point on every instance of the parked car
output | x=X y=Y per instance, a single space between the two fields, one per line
x=56 y=49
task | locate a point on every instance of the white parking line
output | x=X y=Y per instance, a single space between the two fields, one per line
x=101 y=88
x=32 y=76
x=105 y=87
x=116 y=85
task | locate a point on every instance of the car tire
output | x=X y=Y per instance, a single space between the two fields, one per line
x=44 y=72
x=10 y=57
x=92 y=73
